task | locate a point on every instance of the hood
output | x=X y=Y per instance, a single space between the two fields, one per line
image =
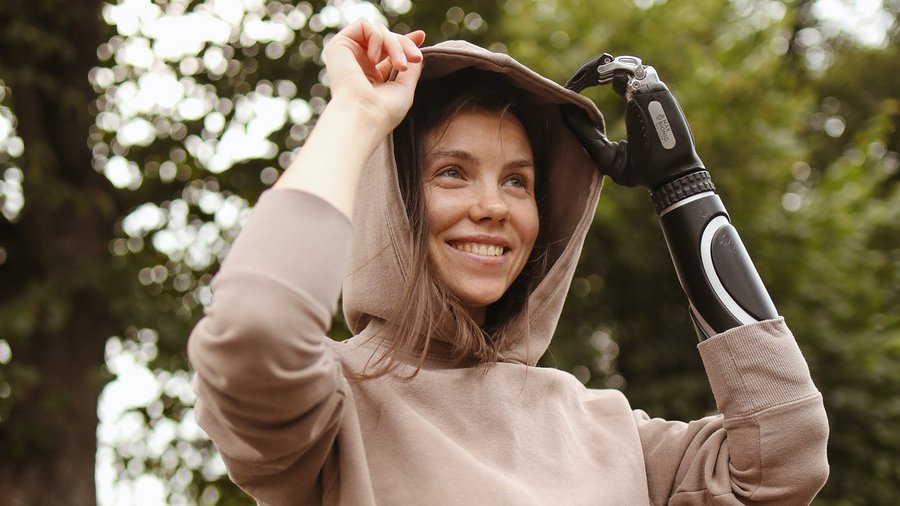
x=382 y=233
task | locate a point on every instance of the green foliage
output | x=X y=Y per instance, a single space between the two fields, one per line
x=844 y=239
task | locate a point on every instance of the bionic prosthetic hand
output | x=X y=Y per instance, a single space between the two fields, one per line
x=715 y=271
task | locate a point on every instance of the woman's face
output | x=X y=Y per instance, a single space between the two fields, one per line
x=480 y=198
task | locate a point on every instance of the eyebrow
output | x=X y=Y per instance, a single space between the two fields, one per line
x=466 y=156
x=458 y=154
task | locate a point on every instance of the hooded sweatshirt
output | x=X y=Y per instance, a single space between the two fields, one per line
x=274 y=396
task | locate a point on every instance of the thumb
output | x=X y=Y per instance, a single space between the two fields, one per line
x=610 y=157
x=409 y=77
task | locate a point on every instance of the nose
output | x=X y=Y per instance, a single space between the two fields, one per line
x=489 y=205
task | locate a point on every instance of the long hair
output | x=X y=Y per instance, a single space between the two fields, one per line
x=425 y=306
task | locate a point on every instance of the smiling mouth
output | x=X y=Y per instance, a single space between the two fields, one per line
x=484 y=250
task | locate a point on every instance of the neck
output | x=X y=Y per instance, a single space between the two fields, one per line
x=478 y=314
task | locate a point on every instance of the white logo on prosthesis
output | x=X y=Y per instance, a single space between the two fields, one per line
x=485 y=250
x=661 y=122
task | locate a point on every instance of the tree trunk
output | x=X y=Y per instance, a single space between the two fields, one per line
x=56 y=289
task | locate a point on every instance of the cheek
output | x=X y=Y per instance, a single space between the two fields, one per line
x=441 y=210
x=529 y=225
x=434 y=215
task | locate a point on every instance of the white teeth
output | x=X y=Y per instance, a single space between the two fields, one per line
x=485 y=250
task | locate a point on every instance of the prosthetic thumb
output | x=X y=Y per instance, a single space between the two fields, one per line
x=611 y=157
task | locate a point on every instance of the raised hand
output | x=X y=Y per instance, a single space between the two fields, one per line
x=361 y=60
x=367 y=102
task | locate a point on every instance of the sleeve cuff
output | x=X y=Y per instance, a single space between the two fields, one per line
x=755 y=367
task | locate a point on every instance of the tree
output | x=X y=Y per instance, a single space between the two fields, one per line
x=56 y=300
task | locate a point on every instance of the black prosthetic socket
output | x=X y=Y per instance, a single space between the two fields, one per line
x=715 y=270
x=722 y=285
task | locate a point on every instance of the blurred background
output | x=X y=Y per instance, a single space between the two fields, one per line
x=135 y=136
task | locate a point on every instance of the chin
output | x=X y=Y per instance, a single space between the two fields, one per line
x=480 y=301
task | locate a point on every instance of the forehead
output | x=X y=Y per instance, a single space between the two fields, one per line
x=478 y=130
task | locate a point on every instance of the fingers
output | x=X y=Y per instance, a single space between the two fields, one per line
x=361 y=57
x=374 y=38
x=410 y=43
x=417 y=37
x=397 y=48
x=380 y=44
x=410 y=77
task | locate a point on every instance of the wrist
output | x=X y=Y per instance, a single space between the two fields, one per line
x=331 y=160
x=346 y=133
x=361 y=116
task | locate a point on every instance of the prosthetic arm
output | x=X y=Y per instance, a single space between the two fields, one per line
x=722 y=285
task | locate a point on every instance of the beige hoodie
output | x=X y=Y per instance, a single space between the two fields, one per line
x=273 y=396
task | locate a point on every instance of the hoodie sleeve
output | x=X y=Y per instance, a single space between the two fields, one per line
x=270 y=392
x=767 y=446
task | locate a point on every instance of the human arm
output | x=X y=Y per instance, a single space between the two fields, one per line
x=270 y=393
x=365 y=107
x=769 y=444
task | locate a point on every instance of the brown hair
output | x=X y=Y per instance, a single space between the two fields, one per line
x=426 y=306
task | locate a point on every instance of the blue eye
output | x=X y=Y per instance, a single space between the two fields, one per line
x=453 y=172
x=517 y=181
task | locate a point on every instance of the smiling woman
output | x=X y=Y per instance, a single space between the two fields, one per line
x=469 y=169
x=482 y=212
x=447 y=206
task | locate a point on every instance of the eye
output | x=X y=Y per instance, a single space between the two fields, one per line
x=517 y=181
x=452 y=171
x=449 y=176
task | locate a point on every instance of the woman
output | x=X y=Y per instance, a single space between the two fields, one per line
x=461 y=260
